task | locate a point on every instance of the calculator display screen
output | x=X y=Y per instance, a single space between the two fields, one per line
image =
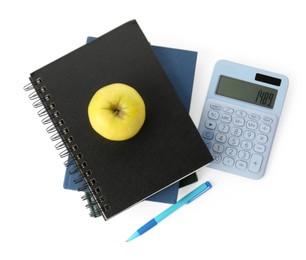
x=246 y=91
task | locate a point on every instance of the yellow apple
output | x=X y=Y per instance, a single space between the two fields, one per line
x=117 y=112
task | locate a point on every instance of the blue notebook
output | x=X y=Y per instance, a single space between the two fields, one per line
x=179 y=65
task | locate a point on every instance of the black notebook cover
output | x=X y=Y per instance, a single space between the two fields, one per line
x=179 y=65
x=120 y=174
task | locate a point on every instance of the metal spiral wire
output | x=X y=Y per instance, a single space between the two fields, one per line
x=66 y=145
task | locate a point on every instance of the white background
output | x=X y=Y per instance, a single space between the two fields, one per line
x=237 y=219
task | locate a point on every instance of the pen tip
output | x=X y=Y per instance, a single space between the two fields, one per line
x=136 y=234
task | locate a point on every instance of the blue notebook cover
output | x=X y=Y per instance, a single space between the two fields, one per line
x=179 y=65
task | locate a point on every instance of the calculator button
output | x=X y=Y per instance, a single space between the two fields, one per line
x=221 y=138
x=228 y=161
x=236 y=131
x=208 y=135
x=239 y=121
x=217 y=158
x=246 y=145
x=254 y=117
x=223 y=128
x=211 y=124
x=251 y=125
x=267 y=120
x=261 y=138
x=231 y=151
x=215 y=106
x=264 y=129
x=249 y=135
x=228 y=110
x=218 y=148
x=259 y=148
x=226 y=118
x=241 y=165
x=241 y=113
x=255 y=163
x=244 y=155
x=233 y=141
x=213 y=115
x=208 y=144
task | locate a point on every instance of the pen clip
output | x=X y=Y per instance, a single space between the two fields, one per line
x=199 y=194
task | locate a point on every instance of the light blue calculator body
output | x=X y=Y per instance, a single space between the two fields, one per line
x=240 y=117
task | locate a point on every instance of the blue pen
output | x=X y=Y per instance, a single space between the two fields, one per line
x=185 y=200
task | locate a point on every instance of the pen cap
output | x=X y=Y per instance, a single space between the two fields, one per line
x=206 y=186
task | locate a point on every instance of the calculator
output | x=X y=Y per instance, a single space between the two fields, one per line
x=240 y=117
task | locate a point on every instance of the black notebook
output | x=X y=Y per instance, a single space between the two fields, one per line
x=118 y=173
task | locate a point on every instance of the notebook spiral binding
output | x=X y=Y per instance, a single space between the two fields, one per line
x=66 y=145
